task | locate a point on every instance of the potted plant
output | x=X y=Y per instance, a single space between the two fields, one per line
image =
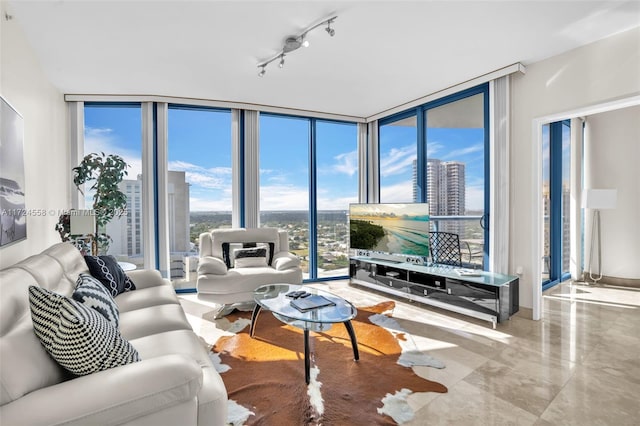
x=106 y=172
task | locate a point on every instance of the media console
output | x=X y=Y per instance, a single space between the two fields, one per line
x=485 y=295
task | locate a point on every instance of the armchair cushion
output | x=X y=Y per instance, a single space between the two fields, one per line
x=77 y=337
x=90 y=292
x=107 y=270
x=211 y=265
x=286 y=261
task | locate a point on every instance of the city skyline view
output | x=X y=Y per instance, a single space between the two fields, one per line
x=200 y=145
x=199 y=154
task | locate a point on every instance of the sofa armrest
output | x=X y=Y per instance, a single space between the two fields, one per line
x=211 y=265
x=285 y=260
x=113 y=396
x=145 y=278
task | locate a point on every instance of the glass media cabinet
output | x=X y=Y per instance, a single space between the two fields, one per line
x=485 y=295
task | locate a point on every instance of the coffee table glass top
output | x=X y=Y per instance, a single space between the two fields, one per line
x=273 y=298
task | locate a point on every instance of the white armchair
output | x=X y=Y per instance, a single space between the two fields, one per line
x=234 y=262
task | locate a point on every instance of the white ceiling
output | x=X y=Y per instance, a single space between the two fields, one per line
x=384 y=53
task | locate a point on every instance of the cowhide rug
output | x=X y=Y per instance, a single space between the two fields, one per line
x=264 y=376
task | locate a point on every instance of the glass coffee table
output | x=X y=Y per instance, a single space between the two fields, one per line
x=274 y=298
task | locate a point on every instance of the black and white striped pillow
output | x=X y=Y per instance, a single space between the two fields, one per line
x=77 y=337
x=90 y=292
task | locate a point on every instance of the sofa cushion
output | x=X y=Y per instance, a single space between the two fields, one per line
x=250 y=257
x=90 y=292
x=107 y=270
x=77 y=337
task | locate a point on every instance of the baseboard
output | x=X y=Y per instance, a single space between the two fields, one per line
x=525 y=313
x=622 y=282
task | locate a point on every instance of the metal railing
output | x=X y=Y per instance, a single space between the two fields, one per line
x=471 y=237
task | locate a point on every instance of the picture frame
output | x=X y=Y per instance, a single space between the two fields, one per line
x=13 y=213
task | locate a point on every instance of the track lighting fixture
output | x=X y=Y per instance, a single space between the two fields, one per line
x=330 y=30
x=292 y=43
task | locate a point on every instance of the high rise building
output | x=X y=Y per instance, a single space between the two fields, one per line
x=126 y=231
x=445 y=191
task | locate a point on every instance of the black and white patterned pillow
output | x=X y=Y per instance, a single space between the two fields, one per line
x=107 y=270
x=250 y=257
x=77 y=337
x=228 y=250
x=90 y=292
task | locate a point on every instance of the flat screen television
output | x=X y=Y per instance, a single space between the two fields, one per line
x=390 y=228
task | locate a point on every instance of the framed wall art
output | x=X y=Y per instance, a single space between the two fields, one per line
x=13 y=220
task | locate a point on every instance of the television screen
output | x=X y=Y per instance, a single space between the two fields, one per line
x=390 y=228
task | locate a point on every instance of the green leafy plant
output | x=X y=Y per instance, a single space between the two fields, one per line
x=106 y=172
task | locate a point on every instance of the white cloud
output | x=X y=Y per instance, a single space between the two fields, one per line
x=346 y=163
x=283 y=197
x=401 y=192
x=397 y=160
x=211 y=178
x=465 y=151
x=104 y=140
x=336 y=203
x=433 y=148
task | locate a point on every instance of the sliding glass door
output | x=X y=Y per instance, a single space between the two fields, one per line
x=556 y=167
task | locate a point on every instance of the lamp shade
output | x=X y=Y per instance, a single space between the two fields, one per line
x=82 y=222
x=600 y=199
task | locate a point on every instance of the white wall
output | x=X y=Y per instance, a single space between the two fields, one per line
x=612 y=156
x=590 y=75
x=46 y=151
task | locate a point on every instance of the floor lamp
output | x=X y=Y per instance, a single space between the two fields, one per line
x=598 y=199
x=83 y=222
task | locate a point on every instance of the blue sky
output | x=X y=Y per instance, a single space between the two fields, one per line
x=398 y=150
x=200 y=145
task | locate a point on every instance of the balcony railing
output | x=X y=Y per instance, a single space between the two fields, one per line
x=471 y=233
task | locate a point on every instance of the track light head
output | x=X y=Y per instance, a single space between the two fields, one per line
x=262 y=71
x=281 y=64
x=330 y=30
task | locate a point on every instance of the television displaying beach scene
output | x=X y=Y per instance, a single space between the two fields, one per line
x=390 y=228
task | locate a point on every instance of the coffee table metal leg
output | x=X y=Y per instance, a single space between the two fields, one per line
x=254 y=318
x=307 y=361
x=354 y=341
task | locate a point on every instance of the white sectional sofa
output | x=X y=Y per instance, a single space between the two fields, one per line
x=174 y=383
x=224 y=281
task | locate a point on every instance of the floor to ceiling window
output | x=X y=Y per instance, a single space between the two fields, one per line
x=117 y=129
x=398 y=159
x=336 y=147
x=284 y=180
x=437 y=153
x=455 y=171
x=556 y=167
x=308 y=177
x=199 y=183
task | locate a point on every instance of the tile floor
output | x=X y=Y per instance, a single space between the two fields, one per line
x=580 y=365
